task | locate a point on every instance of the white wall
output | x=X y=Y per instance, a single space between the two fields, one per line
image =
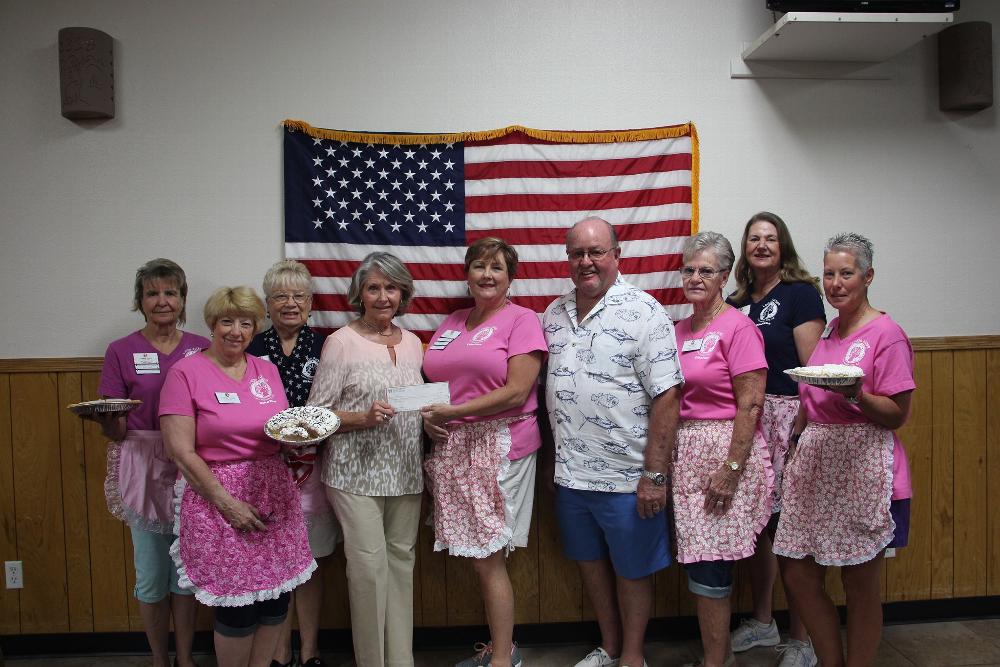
x=191 y=166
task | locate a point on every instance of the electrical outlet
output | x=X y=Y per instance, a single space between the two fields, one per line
x=14 y=573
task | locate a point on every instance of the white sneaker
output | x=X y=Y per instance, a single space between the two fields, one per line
x=754 y=633
x=797 y=653
x=598 y=658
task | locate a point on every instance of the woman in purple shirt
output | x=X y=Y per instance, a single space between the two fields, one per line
x=141 y=476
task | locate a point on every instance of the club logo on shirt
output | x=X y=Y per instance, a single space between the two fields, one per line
x=482 y=335
x=309 y=368
x=856 y=352
x=191 y=350
x=708 y=344
x=768 y=312
x=261 y=390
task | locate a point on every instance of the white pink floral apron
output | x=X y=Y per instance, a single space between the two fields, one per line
x=228 y=568
x=776 y=422
x=139 y=487
x=463 y=476
x=702 y=447
x=836 y=495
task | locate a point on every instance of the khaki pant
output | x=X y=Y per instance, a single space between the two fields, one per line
x=380 y=536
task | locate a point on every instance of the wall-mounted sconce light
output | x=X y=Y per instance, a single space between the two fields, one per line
x=86 y=73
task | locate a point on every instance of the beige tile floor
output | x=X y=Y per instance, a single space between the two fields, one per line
x=943 y=644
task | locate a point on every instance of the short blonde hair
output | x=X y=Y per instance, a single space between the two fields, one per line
x=239 y=301
x=287 y=272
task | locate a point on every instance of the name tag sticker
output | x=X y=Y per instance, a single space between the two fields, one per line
x=745 y=309
x=827 y=331
x=447 y=337
x=691 y=345
x=227 y=397
x=146 y=363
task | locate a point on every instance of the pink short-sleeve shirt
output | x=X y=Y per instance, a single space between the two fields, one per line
x=729 y=346
x=475 y=363
x=882 y=350
x=229 y=415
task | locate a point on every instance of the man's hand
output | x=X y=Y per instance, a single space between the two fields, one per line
x=650 y=499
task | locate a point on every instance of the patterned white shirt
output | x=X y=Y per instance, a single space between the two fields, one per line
x=602 y=376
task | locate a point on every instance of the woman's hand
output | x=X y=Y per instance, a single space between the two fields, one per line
x=112 y=423
x=720 y=487
x=437 y=434
x=242 y=517
x=437 y=413
x=378 y=413
x=846 y=390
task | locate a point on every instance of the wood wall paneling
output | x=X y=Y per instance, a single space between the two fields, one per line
x=74 y=493
x=993 y=471
x=909 y=573
x=970 y=472
x=77 y=557
x=41 y=541
x=10 y=600
x=942 y=481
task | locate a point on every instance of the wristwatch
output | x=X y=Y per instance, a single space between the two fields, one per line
x=734 y=465
x=657 y=478
x=855 y=400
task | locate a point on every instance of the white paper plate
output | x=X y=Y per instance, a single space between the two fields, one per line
x=313 y=424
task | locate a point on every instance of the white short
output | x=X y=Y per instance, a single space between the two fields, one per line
x=324 y=533
x=518 y=488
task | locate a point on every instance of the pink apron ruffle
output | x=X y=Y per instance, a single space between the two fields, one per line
x=139 y=487
x=463 y=475
x=702 y=447
x=227 y=568
x=776 y=422
x=836 y=495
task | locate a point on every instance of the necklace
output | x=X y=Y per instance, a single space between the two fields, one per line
x=375 y=329
x=708 y=320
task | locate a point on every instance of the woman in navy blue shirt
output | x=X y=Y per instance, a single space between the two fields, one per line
x=782 y=298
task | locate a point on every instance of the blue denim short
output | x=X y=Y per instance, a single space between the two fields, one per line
x=596 y=524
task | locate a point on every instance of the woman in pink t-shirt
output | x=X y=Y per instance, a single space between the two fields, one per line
x=241 y=539
x=140 y=483
x=482 y=470
x=838 y=504
x=722 y=474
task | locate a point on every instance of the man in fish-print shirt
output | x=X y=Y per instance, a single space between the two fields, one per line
x=612 y=392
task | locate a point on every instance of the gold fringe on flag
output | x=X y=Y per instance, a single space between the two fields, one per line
x=562 y=136
x=571 y=137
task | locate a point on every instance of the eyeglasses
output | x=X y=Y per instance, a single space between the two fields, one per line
x=285 y=297
x=595 y=254
x=704 y=273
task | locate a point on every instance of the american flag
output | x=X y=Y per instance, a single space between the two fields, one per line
x=424 y=198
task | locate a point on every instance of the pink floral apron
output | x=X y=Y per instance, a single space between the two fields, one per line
x=702 y=447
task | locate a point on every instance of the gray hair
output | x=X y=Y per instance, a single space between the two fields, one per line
x=852 y=243
x=611 y=229
x=287 y=273
x=389 y=266
x=167 y=271
x=713 y=241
